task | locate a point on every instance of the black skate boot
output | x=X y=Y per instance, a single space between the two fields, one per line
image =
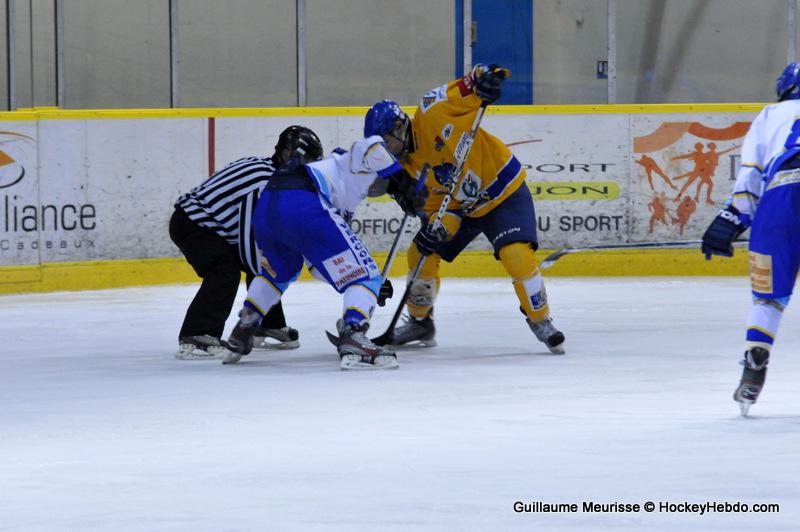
x=240 y=342
x=414 y=333
x=753 y=377
x=285 y=338
x=356 y=351
x=547 y=333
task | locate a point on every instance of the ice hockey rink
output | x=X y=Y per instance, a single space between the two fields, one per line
x=102 y=429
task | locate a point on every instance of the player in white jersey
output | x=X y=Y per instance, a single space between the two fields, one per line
x=302 y=216
x=766 y=198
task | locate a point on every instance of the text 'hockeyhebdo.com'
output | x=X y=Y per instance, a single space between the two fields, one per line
x=664 y=507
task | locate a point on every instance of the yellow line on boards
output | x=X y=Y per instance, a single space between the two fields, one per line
x=96 y=275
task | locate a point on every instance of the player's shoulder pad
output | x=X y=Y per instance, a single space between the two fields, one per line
x=377 y=157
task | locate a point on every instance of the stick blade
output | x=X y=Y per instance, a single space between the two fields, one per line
x=384 y=339
x=332 y=338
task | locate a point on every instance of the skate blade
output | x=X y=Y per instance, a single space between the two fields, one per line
x=275 y=346
x=744 y=407
x=232 y=358
x=415 y=344
x=557 y=349
x=197 y=354
x=354 y=363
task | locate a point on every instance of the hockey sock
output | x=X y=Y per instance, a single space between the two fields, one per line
x=520 y=262
x=262 y=295
x=359 y=303
x=762 y=324
x=426 y=286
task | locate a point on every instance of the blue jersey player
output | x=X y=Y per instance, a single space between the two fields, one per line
x=302 y=217
x=766 y=198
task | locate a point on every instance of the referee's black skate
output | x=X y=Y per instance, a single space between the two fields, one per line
x=200 y=347
x=356 y=351
x=547 y=333
x=283 y=338
x=414 y=333
x=753 y=377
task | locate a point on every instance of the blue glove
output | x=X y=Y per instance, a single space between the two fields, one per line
x=428 y=239
x=726 y=227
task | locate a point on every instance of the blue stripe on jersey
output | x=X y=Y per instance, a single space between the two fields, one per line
x=322 y=185
x=505 y=176
x=396 y=167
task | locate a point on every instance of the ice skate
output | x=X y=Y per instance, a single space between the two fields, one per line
x=240 y=342
x=356 y=351
x=546 y=333
x=201 y=347
x=414 y=333
x=283 y=338
x=753 y=377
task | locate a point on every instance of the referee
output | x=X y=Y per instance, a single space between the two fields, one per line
x=212 y=227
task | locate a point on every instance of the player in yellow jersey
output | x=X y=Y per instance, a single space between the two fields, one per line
x=489 y=197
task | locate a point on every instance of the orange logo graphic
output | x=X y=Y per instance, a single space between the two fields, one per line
x=665 y=158
x=11 y=170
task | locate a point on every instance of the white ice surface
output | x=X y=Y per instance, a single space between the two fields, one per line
x=101 y=429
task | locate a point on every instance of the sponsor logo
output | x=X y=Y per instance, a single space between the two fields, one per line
x=447 y=130
x=574 y=190
x=761 y=272
x=11 y=170
x=19 y=217
x=678 y=166
x=464 y=142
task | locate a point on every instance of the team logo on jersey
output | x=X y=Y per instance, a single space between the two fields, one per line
x=470 y=186
x=447 y=130
x=438 y=94
x=438 y=143
x=443 y=173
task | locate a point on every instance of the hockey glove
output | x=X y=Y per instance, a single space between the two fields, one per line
x=386 y=292
x=489 y=81
x=726 y=227
x=428 y=239
x=409 y=194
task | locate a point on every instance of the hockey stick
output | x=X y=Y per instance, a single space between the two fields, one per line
x=423 y=176
x=553 y=257
x=388 y=335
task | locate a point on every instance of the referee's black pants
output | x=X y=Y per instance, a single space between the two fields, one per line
x=217 y=263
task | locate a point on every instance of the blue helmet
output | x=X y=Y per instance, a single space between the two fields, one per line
x=788 y=85
x=385 y=118
x=381 y=118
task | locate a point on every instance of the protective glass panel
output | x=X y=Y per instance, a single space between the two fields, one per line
x=116 y=54
x=238 y=53
x=366 y=50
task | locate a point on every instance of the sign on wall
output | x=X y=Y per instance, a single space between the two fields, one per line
x=104 y=189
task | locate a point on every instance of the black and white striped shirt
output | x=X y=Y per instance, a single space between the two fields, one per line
x=225 y=203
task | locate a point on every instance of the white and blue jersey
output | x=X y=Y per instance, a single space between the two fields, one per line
x=770 y=142
x=344 y=178
x=302 y=216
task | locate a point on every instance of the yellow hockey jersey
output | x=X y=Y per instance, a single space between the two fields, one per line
x=440 y=126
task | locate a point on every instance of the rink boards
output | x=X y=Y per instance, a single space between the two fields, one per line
x=85 y=196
